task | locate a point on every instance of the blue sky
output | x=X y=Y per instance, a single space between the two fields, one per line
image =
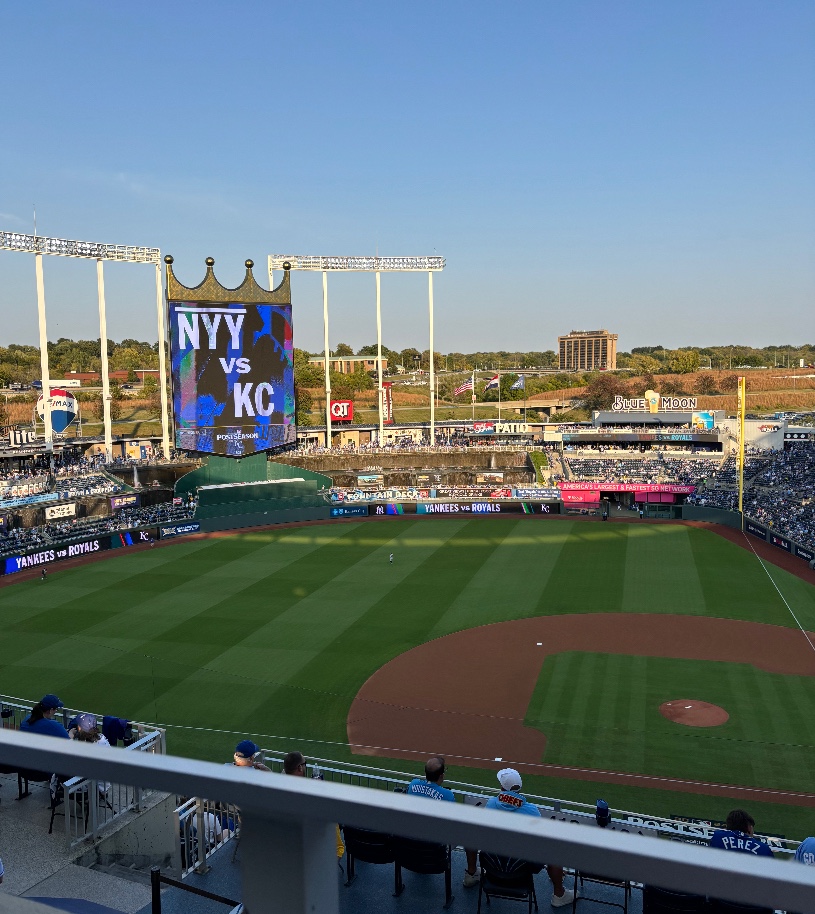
x=642 y=166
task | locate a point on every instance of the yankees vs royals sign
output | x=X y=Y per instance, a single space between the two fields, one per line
x=232 y=367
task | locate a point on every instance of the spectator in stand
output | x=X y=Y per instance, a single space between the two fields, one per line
x=512 y=800
x=86 y=730
x=248 y=755
x=295 y=765
x=738 y=835
x=806 y=852
x=41 y=719
x=432 y=788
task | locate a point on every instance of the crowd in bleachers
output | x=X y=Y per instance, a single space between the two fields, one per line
x=16 y=540
x=682 y=471
x=779 y=491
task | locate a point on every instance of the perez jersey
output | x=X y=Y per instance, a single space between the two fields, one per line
x=739 y=841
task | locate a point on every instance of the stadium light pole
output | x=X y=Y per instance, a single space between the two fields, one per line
x=431 y=366
x=103 y=345
x=84 y=250
x=325 y=264
x=45 y=380
x=162 y=365
x=379 y=353
x=327 y=365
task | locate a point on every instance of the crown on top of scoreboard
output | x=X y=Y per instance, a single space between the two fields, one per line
x=210 y=290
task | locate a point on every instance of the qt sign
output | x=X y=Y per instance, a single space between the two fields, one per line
x=61 y=405
x=342 y=410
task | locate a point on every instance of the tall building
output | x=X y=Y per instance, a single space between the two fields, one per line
x=585 y=350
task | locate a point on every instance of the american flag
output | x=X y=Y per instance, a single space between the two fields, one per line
x=463 y=388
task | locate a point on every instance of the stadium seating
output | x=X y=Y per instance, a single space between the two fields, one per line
x=423 y=857
x=507 y=878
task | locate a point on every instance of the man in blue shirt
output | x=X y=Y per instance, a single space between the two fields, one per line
x=431 y=785
x=512 y=800
x=806 y=852
x=41 y=719
x=432 y=788
x=738 y=835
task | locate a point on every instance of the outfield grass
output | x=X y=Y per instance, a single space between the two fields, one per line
x=271 y=634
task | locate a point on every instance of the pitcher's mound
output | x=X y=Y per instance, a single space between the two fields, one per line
x=693 y=713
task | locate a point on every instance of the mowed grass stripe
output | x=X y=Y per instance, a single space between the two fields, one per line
x=589 y=576
x=757 y=746
x=157 y=604
x=316 y=698
x=734 y=583
x=503 y=588
x=396 y=622
x=108 y=676
x=660 y=575
x=203 y=635
x=276 y=653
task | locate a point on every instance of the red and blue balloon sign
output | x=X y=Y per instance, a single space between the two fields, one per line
x=63 y=408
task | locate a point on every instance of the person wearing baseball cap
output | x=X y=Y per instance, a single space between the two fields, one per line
x=249 y=755
x=511 y=799
x=42 y=720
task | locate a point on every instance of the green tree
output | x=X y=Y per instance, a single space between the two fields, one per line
x=684 y=361
x=705 y=384
x=643 y=364
x=115 y=401
x=602 y=389
x=303 y=402
x=342 y=350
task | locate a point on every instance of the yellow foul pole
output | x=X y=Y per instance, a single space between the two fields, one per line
x=742 y=408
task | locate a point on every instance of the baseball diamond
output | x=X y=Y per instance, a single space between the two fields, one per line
x=546 y=643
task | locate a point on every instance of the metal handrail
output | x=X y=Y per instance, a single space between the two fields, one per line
x=299 y=814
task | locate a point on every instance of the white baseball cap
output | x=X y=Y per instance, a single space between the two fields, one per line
x=509 y=779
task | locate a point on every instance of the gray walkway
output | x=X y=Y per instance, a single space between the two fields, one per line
x=372 y=892
x=41 y=865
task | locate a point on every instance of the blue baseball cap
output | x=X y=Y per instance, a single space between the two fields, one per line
x=246 y=749
x=51 y=702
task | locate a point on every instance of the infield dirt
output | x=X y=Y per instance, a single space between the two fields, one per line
x=465 y=695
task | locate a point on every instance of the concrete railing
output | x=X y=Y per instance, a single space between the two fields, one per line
x=288 y=846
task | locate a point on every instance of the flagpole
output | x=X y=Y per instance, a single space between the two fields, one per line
x=472 y=392
x=499 y=394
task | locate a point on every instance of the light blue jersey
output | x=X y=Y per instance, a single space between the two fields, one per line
x=806 y=852
x=419 y=787
x=513 y=802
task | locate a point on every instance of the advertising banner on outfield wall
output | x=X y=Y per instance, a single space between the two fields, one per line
x=170 y=530
x=806 y=554
x=16 y=563
x=781 y=541
x=532 y=494
x=751 y=526
x=124 y=501
x=350 y=511
x=667 y=487
x=479 y=508
x=56 y=511
x=585 y=496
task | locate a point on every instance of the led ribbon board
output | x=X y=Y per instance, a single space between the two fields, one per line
x=232 y=366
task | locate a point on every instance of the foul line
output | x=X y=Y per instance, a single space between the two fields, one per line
x=761 y=562
x=544 y=768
